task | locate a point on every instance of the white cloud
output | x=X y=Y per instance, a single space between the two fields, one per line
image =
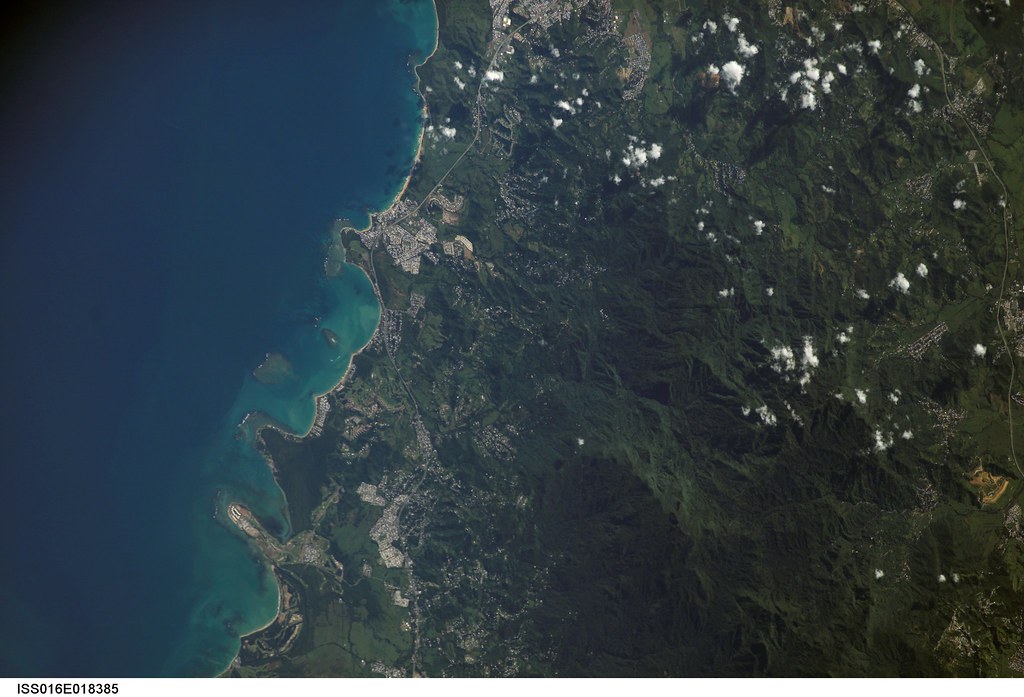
x=745 y=410
x=862 y=395
x=808 y=100
x=634 y=157
x=959 y=204
x=447 y=131
x=811 y=68
x=875 y=45
x=766 y=415
x=900 y=283
x=556 y=122
x=810 y=359
x=919 y=66
x=862 y=294
x=745 y=48
x=710 y=27
x=914 y=92
x=565 y=106
x=882 y=442
x=841 y=68
x=730 y=22
x=733 y=73
x=878 y=572
x=922 y=270
x=843 y=338
x=494 y=76
x=942 y=578
x=459 y=83
x=826 y=82
x=980 y=350
x=758 y=226
x=654 y=151
x=769 y=292
x=907 y=435
x=894 y=396
x=783 y=359
x=727 y=292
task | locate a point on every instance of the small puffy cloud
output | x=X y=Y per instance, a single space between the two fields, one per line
x=862 y=395
x=654 y=152
x=907 y=435
x=459 y=83
x=494 y=76
x=914 y=92
x=746 y=49
x=862 y=294
x=766 y=415
x=635 y=157
x=783 y=359
x=811 y=68
x=727 y=292
x=980 y=350
x=809 y=358
x=900 y=283
x=732 y=73
x=843 y=338
x=959 y=204
x=882 y=442
x=565 y=106
x=808 y=100
x=758 y=226
x=556 y=122
x=826 y=82
x=919 y=66
x=894 y=396
x=730 y=22
x=875 y=45
x=841 y=68
x=879 y=574
x=447 y=131
x=922 y=270
x=711 y=27
x=769 y=292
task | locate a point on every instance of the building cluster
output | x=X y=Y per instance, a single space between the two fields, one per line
x=385 y=531
x=639 y=64
x=917 y=349
x=323 y=406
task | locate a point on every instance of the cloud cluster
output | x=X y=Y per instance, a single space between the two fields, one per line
x=637 y=156
x=900 y=283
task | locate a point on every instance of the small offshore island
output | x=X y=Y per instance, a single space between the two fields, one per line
x=699 y=354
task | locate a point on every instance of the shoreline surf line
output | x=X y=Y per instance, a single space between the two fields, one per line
x=320 y=412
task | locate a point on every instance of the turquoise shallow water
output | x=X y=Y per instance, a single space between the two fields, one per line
x=170 y=176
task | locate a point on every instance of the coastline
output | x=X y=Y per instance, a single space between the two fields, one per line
x=322 y=400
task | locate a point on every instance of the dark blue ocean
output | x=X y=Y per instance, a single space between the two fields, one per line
x=168 y=176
